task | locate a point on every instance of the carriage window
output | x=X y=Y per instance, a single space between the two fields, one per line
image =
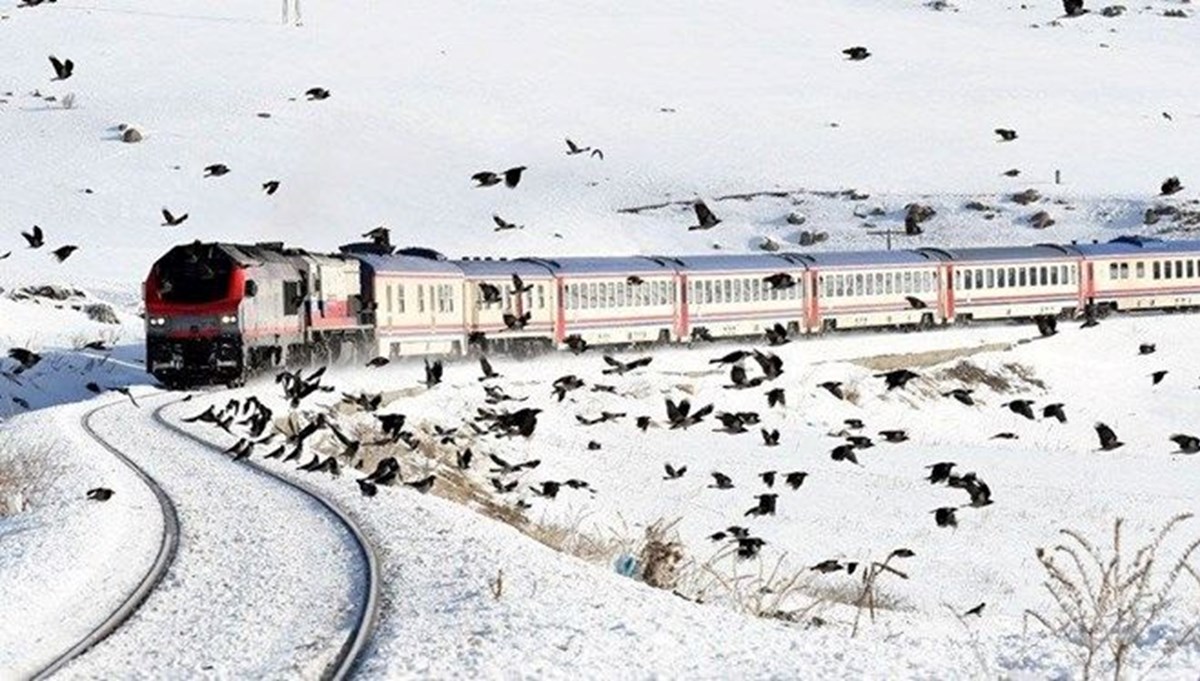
x=839 y=286
x=1112 y=270
x=388 y=297
x=1124 y=270
x=870 y=288
x=958 y=279
x=1191 y=272
x=1167 y=270
x=1179 y=269
x=991 y=277
x=621 y=294
x=1157 y=269
x=906 y=282
x=1139 y=270
x=1012 y=277
x=1021 y=276
x=737 y=291
x=611 y=297
x=727 y=286
x=1054 y=276
x=400 y=298
x=1001 y=280
x=968 y=280
x=978 y=278
x=421 y=298
x=541 y=296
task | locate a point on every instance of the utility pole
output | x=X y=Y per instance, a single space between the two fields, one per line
x=886 y=233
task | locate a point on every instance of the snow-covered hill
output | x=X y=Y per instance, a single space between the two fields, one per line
x=684 y=100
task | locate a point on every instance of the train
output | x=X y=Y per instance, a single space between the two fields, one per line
x=221 y=312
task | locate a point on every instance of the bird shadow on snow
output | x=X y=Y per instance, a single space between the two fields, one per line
x=66 y=376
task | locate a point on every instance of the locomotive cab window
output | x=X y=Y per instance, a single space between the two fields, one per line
x=292 y=298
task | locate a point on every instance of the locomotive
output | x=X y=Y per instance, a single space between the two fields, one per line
x=218 y=312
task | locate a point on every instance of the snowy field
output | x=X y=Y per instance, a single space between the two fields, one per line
x=753 y=108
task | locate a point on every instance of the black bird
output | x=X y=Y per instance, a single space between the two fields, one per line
x=1004 y=436
x=732 y=358
x=897 y=378
x=519 y=286
x=672 y=472
x=423 y=485
x=1157 y=377
x=1012 y=172
x=766 y=505
x=940 y=472
x=634 y=280
x=486 y=178
x=276 y=453
x=860 y=441
x=770 y=437
x=1047 y=325
x=894 y=436
x=721 y=481
x=1147 y=349
x=505 y=468
x=503 y=225
x=780 y=281
x=170 y=220
x=216 y=170
x=776 y=396
x=486 y=367
x=566 y=384
x=748 y=547
x=700 y=333
x=1171 y=185
x=576 y=343
x=503 y=487
x=978 y=610
x=1108 y=439
x=681 y=415
x=706 y=218
x=768 y=478
x=1073 y=8
x=1054 y=411
x=433 y=373
x=100 y=494
x=962 y=395
x=795 y=479
x=463 y=459
x=643 y=422
x=516 y=323
x=549 y=489
x=777 y=335
x=771 y=365
x=731 y=423
x=620 y=368
x=35 y=238
x=97 y=345
x=916 y=303
x=1022 y=407
x=317 y=94
x=1188 y=444
x=368 y=488
x=270 y=187
x=856 y=53
x=573 y=149
x=62 y=69
x=512 y=176
x=945 y=517
x=853 y=424
x=827 y=566
x=376 y=362
x=834 y=388
x=63 y=252
x=4 y=255
x=1006 y=135
x=26 y=358
x=490 y=292
x=844 y=453
x=380 y=236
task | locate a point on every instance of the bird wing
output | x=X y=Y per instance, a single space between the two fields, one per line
x=674 y=413
x=640 y=362
x=58 y=65
x=571 y=145
x=703 y=214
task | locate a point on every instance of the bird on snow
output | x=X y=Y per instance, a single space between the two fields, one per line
x=977 y=610
x=1006 y=135
x=1188 y=444
x=897 y=378
x=1146 y=349
x=1047 y=325
x=486 y=367
x=777 y=335
x=766 y=505
x=433 y=373
x=706 y=218
x=99 y=494
x=1054 y=411
x=1074 y=8
x=1022 y=407
x=721 y=481
x=376 y=362
x=944 y=516
x=1170 y=186
x=216 y=170
x=795 y=479
x=894 y=436
x=940 y=472
x=962 y=395
x=844 y=453
x=770 y=437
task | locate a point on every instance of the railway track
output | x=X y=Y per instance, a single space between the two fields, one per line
x=367 y=615
x=353 y=640
x=167 y=549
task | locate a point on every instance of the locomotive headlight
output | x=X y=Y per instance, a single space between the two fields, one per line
x=229 y=319
x=158 y=321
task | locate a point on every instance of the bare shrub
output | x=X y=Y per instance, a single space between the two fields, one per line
x=755 y=588
x=660 y=556
x=23 y=479
x=868 y=598
x=1105 y=602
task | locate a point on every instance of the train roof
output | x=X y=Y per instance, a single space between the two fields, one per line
x=406 y=264
x=503 y=267
x=636 y=264
x=858 y=258
x=1002 y=253
x=722 y=262
x=1135 y=246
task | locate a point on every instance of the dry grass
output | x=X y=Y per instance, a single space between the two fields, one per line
x=24 y=476
x=1013 y=377
x=1106 y=601
x=928 y=358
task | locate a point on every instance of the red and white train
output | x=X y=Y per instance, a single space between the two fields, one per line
x=216 y=312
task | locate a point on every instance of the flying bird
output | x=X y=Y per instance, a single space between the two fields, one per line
x=916 y=303
x=317 y=94
x=100 y=494
x=376 y=362
x=380 y=236
x=1006 y=135
x=486 y=367
x=1170 y=186
x=1108 y=439
x=940 y=472
x=731 y=358
x=216 y=170
x=897 y=378
x=834 y=388
x=63 y=252
x=35 y=238
x=721 y=481
x=1147 y=348
x=795 y=479
x=856 y=53
x=433 y=373
x=776 y=397
x=780 y=281
x=770 y=437
x=1073 y=8
x=705 y=217
x=170 y=220
x=1188 y=444
x=944 y=517
x=681 y=415
x=978 y=610
x=503 y=225
x=1158 y=376
x=62 y=69
x=270 y=187
x=962 y=395
x=1021 y=407
x=620 y=368
x=512 y=176
x=1054 y=411
x=673 y=473
x=490 y=293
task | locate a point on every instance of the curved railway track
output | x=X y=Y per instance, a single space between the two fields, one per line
x=367 y=615
x=167 y=549
x=350 y=651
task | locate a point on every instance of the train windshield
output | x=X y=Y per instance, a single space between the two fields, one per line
x=194 y=274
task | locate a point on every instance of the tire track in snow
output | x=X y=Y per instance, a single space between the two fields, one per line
x=167 y=550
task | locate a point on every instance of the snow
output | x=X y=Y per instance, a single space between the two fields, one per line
x=423 y=97
x=686 y=101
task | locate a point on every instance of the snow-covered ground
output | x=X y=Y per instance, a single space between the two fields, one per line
x=683 y=101
x=752 y=107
